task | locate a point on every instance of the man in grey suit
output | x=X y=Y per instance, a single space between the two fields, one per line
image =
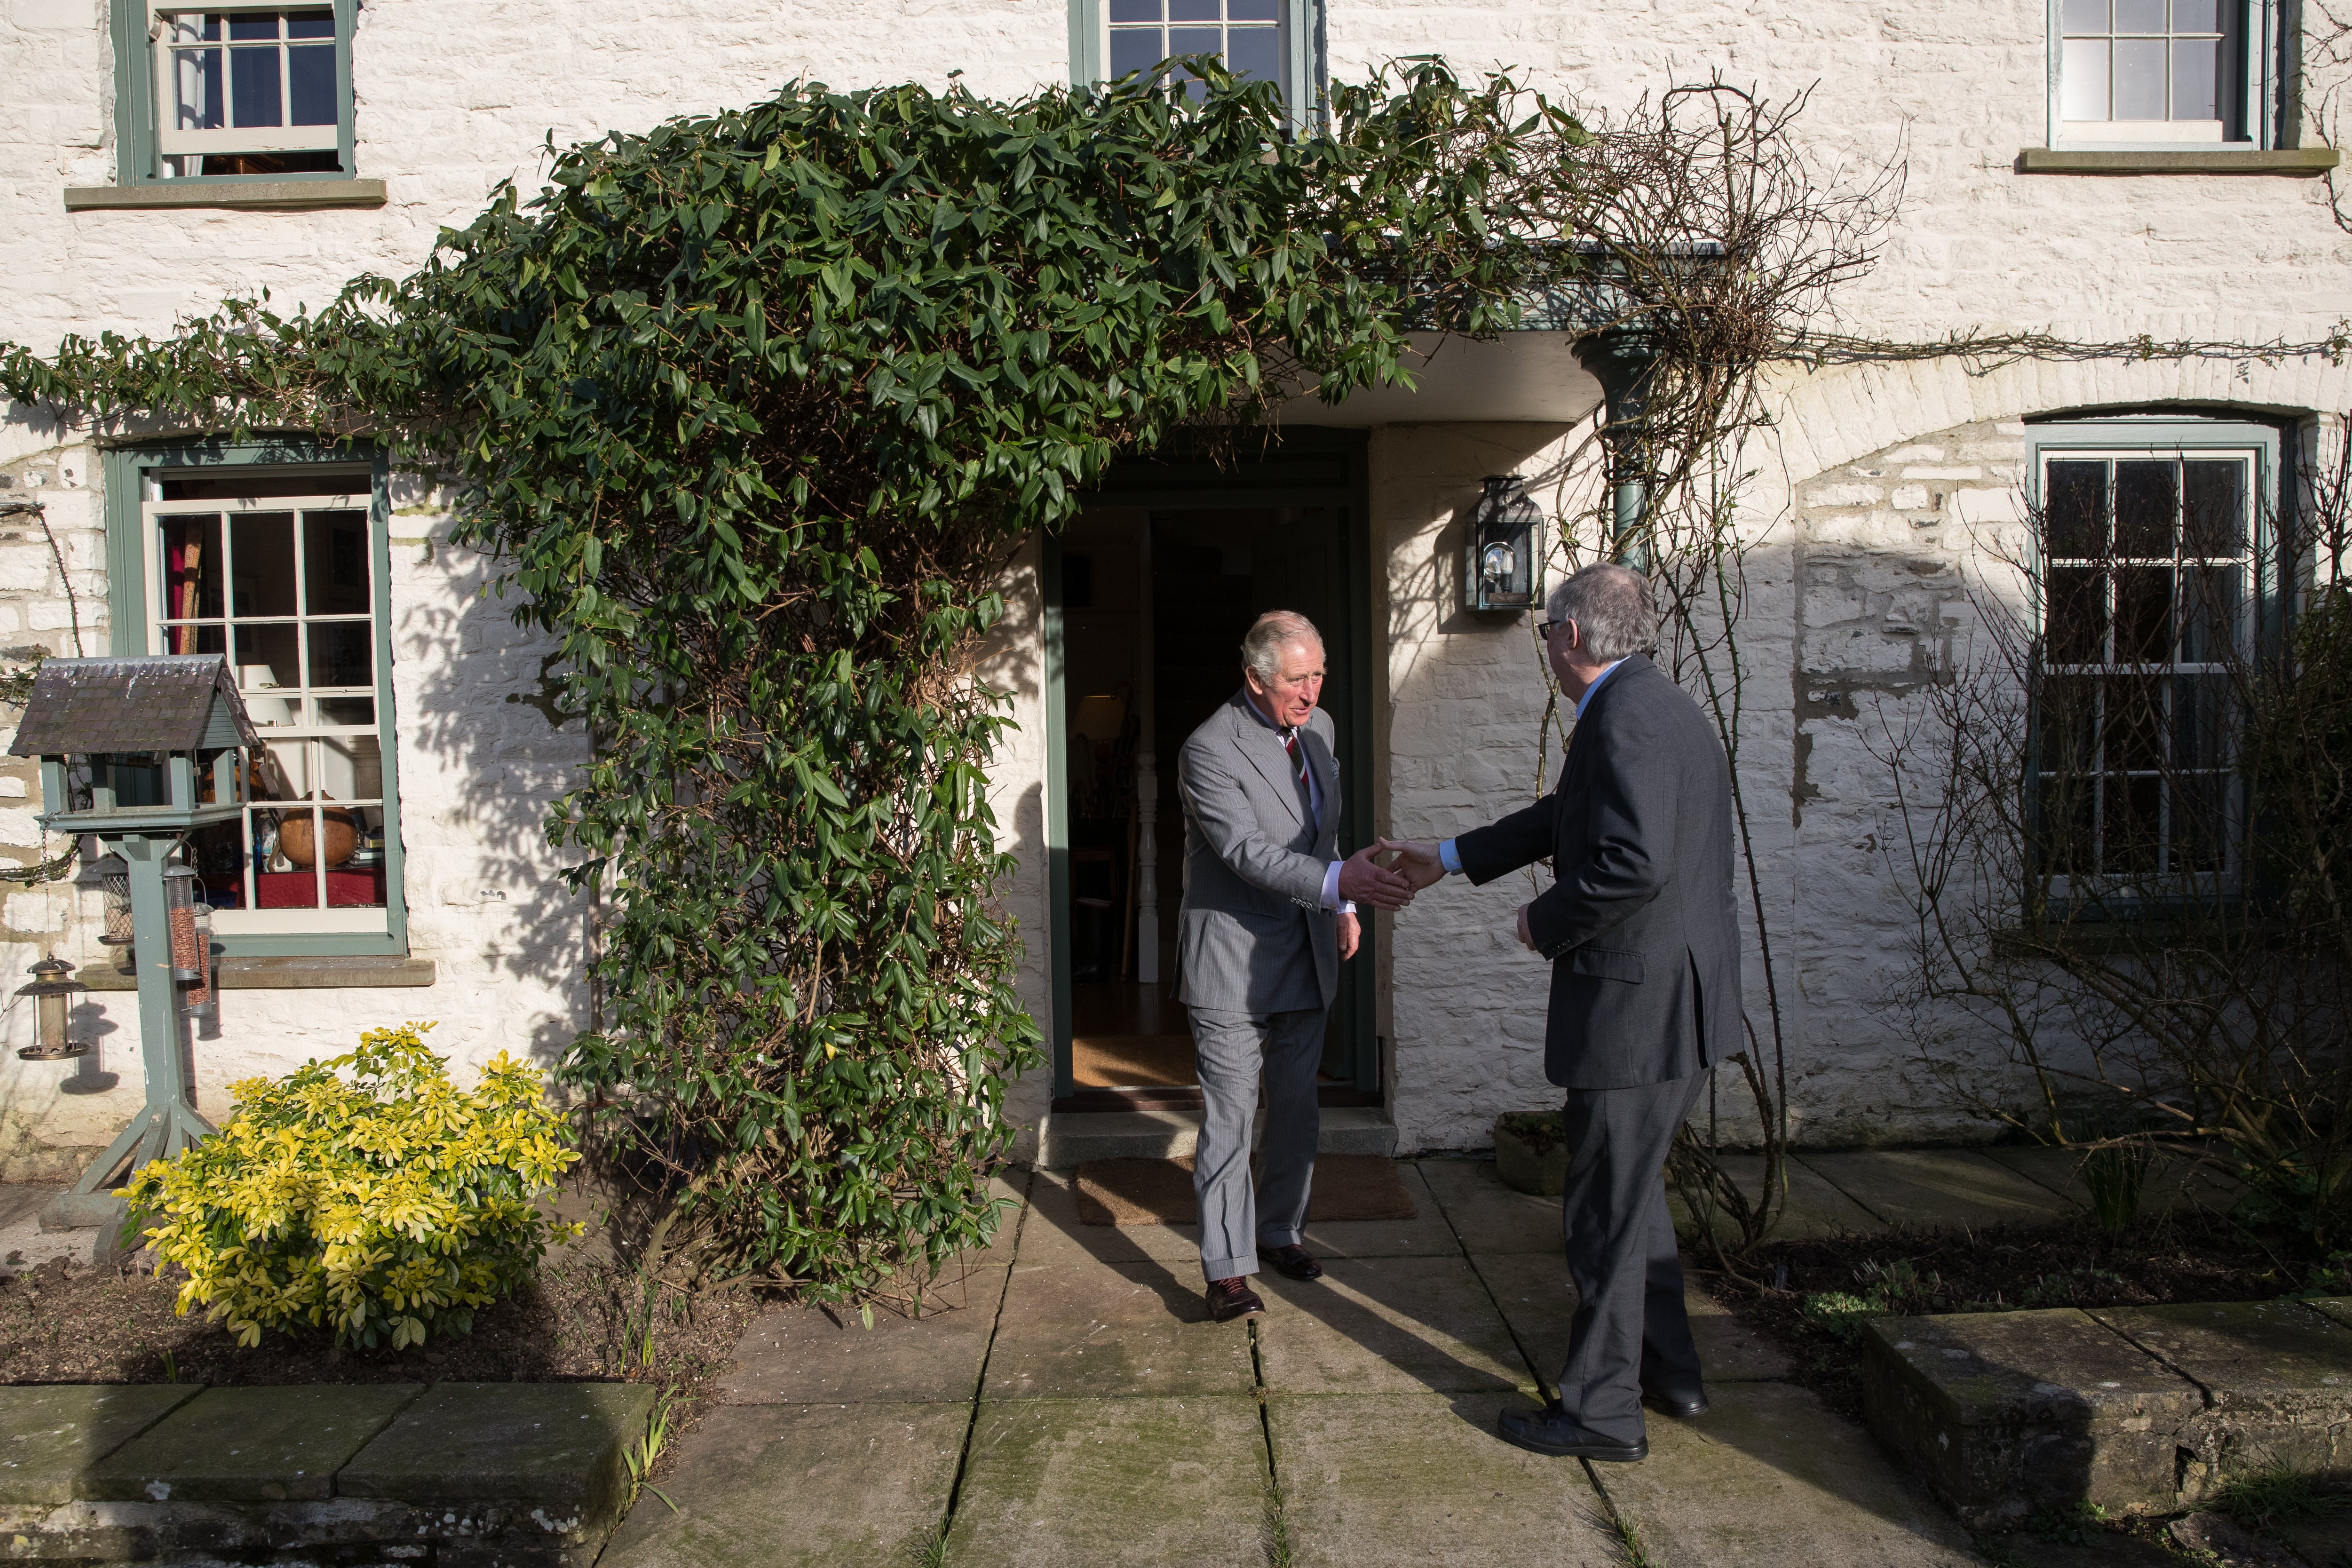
x=1268 y=916
x=1643 y=937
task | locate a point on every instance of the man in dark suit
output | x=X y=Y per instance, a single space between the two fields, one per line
x=1643 y=937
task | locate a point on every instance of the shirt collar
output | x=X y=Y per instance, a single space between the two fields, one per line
x=1606 y=671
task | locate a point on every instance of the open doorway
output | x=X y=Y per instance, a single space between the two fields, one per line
x=1152 y=600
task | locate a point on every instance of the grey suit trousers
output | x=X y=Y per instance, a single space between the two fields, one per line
x=1238 y=1216
x=1631 y=1327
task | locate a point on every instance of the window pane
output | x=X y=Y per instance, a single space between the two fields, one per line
x=310 y=24
x=1257 y=53
x=2201 y=706
x=1137 y=11
x=2068 y=717
x=2078 y=510
x=196 y=78
x=2216 y=513
x=2068 y=808
x=311 y=85
x=2195 y=15
x=2209 y=609
x=342 y=654
x=2086 y=16
x=2132 y=738
x=267 y=663
x=349 y=767
x=2143 y=615
x=1253 y=11
x=2086 y=78
x=265 y=563
x=2134 y=822
x=249 y=27
x=335 y=562
x=192 y=569
x=1195 y=41
x=283 y=771
x=1195 y=11
x=2147 y=508
x=2139 y=16
x=253 y=88
x=2196 y=80
x=2077 y=628
x=346 y=710
x=2139 y=78
x=2200 y=823
x=1135 y=49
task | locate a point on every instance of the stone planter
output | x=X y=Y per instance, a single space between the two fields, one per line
x=1530 y=1153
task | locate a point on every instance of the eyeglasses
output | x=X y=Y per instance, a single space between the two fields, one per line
x=1544 y=629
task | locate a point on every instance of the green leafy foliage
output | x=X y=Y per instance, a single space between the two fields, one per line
x=368 y=1194
x=752 y=409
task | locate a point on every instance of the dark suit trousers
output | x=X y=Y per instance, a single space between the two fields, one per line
x=1631 y=1327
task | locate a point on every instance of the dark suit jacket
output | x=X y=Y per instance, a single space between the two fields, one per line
x=1639 y=924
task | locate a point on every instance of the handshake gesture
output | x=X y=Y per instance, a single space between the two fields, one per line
x=1411 y=865
x=1365 y=879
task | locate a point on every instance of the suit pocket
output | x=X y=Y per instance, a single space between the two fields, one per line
x=1607 y=963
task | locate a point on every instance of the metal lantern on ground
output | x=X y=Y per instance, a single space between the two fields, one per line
x=1504 y=568
x=52 y=993
x=148 y=730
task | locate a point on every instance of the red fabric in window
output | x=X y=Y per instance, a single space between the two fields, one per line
x=299 y=890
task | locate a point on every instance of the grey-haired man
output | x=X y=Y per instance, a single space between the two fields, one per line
x=1267 y=918
x=1643 y=937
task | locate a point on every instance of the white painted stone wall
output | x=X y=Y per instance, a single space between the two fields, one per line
x=1851 y=576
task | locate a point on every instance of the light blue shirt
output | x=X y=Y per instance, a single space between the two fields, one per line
x=1445 y=852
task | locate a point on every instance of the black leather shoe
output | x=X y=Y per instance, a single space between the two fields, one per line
x=1680 y=1409
x=1231 y=1299
x=1552 y=1431
x=1292 y=1260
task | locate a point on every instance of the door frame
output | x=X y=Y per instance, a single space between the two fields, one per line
x=1300 y=467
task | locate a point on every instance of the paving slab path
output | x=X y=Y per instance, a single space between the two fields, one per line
x=1066 y=1401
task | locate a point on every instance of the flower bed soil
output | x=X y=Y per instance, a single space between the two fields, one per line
x=579 y=1319
x=2192 y=1257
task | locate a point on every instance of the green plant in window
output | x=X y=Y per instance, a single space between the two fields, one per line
x=368 y=1194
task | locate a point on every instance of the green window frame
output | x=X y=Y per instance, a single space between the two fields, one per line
x=134 y=482
x=1298 y=23
x=223 y=65
x=2145 y=568
x=2112 y=61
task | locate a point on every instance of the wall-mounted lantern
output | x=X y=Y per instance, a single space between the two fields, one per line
x=52 y=993
x=1503 y=569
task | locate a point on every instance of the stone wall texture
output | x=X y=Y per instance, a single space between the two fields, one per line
x=1874 y=498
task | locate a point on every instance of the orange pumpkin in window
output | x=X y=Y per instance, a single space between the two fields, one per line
x=341 y=835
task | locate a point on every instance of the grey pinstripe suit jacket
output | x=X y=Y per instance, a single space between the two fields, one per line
x=1251 y=936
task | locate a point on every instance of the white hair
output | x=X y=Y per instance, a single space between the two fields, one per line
x=1612 y=607
x=1273 y=632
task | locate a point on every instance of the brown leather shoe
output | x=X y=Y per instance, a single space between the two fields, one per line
x=1231 y=1299
x=1292 y=1260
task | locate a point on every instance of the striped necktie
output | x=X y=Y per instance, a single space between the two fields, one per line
x=1289 y=735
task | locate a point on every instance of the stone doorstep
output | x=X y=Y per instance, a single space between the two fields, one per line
x=526 y=1473
x=2144 y=1409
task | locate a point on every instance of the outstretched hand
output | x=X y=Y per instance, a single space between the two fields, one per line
x=1365 y=881
x=1417 y=860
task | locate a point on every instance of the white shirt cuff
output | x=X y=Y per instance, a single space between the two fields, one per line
x=1331 y=899
x=1447 y=857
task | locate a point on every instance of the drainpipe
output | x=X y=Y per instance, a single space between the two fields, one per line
x=1622 y=359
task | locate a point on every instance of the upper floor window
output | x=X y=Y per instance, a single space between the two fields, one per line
x=1265 y=40
x=234 y=90
x=2166 y=72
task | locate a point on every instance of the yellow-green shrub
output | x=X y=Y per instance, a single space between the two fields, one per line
x=367 y=1194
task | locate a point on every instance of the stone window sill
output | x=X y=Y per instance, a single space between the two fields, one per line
x=278 y=195
x=287 y=975
x=2302 y=160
